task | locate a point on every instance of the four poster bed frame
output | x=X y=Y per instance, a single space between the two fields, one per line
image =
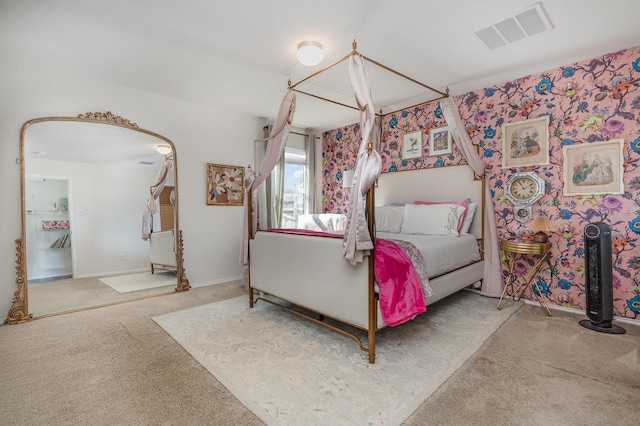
x=294 y=271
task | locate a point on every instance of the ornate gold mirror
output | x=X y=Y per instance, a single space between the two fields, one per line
x=99 y=207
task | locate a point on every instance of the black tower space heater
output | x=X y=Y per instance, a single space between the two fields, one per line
x=599 y=279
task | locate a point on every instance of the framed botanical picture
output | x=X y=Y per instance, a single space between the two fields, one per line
x=439 y=141
x=526 y=143
x=412 y=145
x=593 y=168
x=225 y=185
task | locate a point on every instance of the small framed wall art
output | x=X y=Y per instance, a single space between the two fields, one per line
x=593 y=168
x=225 y=185
x=412 y=145
x=526 y=143
x=439 y=141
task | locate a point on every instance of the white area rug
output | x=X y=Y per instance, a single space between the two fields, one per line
x=290 y=371
x=142 y=281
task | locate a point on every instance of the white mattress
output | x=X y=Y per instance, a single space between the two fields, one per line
x=441 y=253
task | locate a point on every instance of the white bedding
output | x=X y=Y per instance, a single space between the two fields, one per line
x=441 y=253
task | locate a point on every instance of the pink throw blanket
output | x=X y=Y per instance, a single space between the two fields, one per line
x=400 y=290
x=401 y=296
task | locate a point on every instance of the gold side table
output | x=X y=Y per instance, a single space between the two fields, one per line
x=512 y=250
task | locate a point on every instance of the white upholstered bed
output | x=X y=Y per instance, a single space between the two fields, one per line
x=311 y=271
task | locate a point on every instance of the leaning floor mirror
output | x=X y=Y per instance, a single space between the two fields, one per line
x=99 y=208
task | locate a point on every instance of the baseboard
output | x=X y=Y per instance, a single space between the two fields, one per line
x=220 y=281
x=581 y=312
x=116 y=274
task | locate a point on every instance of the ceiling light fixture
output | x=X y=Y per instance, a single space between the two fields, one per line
x=163 y=149
x=310 y=53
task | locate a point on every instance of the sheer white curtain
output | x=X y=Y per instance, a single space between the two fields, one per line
x=275 y=194
x=272 y=154
x=260 y=147
x=357 y=240
x=492 y=280
x=151 y=207
x=269 y=209
x=312 y=180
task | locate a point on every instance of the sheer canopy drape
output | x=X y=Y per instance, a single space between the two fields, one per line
x=270 y=196
x=492 y=280
x=357 y=240
x=275 y=149
x=151 y=207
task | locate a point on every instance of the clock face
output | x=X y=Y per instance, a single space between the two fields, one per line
x=523 y=188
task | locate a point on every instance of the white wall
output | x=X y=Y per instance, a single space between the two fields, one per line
x=200 y=134
x=105 y=213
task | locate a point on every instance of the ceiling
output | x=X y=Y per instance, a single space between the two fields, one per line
x=91 y=143
x=239 y=55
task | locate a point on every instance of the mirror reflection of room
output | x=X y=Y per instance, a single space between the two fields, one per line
x=47 y=228
x=83 y=212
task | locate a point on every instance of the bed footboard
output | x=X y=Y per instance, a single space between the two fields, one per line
x=311 y=272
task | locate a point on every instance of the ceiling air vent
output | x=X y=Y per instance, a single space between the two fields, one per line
x=531 y=21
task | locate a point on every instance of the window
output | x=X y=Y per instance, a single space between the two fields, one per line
x=295 y=190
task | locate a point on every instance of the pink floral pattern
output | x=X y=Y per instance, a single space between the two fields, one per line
x=589 y=101
x=55 y=224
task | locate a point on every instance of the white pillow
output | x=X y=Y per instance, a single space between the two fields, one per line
x=432 y=219
x=389 y=218
x=464 y=204
x=466 y=225
x=321 y=222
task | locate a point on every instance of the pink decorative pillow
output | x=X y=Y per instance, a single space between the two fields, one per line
x=464 y=204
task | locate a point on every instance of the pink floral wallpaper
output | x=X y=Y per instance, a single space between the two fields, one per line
x=593 y=100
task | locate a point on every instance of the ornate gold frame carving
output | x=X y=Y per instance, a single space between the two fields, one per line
x=19 y=311
x=183 y=282
x=108 y=118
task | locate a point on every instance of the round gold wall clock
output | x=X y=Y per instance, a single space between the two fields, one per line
x=523 y=189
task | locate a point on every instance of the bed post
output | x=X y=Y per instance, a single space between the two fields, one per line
x=484 y=181
x=250 y=236
x=373 y=305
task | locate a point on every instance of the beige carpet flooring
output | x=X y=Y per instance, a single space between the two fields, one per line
x=540 y=370
x=114 y=365
x=64 y=295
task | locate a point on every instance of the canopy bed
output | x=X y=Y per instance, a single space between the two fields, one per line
x=107 y=164
x=350 y=277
